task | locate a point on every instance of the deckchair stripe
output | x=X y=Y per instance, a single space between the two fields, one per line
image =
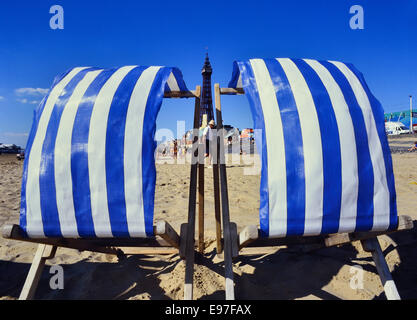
x=378 y=114
x=47 y=185
x=33 y=214
x=347 y=145
x=36 y=117
x=79 y=157
x=62 y=158
x=178 y=79
x=294 y=170
x=153 y=105
x=175 y=82
x=365 y=208
x=133 y=153
x=348 y=177
x=172 y=83
x=260 y=136
x=311 y=142
x=276 y=155
x=97 y=153
x=381 y=219
x=327 y=216
x=115 y=136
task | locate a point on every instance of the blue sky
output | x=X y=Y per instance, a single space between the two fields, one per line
x=176 y=33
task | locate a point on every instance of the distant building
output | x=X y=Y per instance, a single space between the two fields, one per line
x=206 y=106
x=10 y=148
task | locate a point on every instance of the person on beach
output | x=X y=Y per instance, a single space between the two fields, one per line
x=414 y=147
x=175 y=149
x=208 y=137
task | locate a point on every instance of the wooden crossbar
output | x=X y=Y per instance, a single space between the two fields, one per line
x=231 y=91
x=166 y=237
x=183 y=94
x=250 y=237
x=47 y=248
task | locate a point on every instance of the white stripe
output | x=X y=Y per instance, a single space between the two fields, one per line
x=277 y=173
x=34 y=224
x=133 y=153
x=239 y=82
x=312 y=148
x=349 y=162
x=172 y=83
x=97 y=153
x=62 y=158
x=381 y=192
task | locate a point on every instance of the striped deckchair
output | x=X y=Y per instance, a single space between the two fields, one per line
x=89 y=174
x=326 y=176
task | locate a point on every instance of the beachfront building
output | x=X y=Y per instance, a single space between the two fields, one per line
x=404 y=117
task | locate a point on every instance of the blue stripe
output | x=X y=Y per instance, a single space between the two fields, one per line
x=153 y=105
x=36 y=116
x=235 y=76
x=47 y=188
x=365 y=209
x=167 y=89
x=293 y=144
x=79 y=156
x=35 y=122
x=378 y=113
x=115 y=136
x=332 y=161
x=251 y=91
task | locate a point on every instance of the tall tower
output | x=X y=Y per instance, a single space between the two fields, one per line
x=206 y=107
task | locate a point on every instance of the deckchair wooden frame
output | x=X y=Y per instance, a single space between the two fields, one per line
x=250 y=235
x=166 y=240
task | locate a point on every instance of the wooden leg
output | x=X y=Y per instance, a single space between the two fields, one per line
x=217 y=201
x=183 y=240
x=372 y=245
x=187 y=253
x=227 y=229
x=228 y=248
x=190 y=229
x=188 y=285
x=201 y=204
x=43 y=253
x=234 y=240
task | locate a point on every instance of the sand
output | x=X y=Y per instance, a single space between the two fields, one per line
x=285 y=274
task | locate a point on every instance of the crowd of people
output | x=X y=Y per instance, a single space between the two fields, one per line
x=179 y=148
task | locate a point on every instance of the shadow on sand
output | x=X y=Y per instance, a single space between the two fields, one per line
x=288 y=274
x=285 y=275
x=130 y=277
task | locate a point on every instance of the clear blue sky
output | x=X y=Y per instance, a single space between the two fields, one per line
x=175 y=33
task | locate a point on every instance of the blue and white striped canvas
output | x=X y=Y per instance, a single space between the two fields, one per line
x=326 y=163
x=89 y=169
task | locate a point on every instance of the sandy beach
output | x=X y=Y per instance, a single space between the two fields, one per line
x=285 y=274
